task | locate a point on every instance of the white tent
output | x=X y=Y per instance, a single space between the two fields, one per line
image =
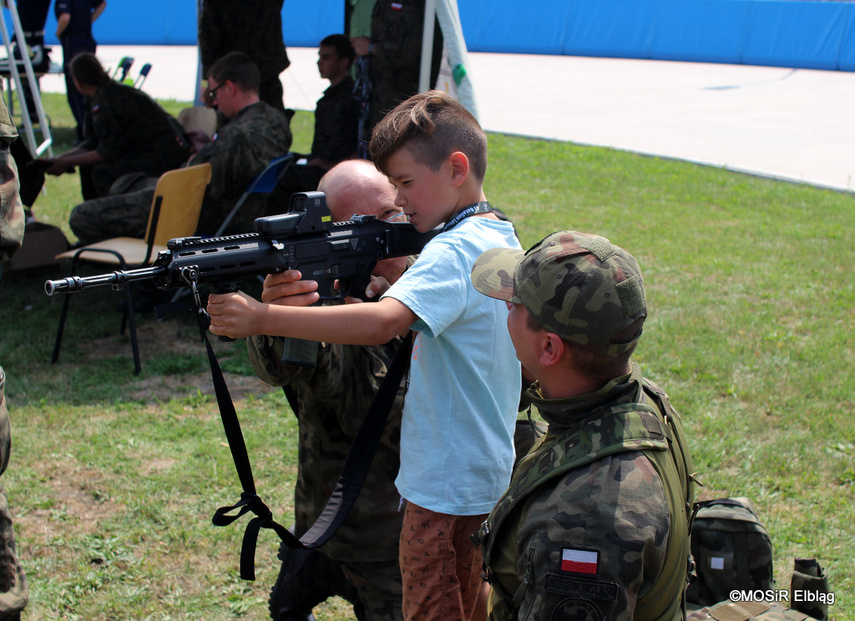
x=455 y=72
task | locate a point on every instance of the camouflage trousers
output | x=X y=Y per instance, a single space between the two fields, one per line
x=14 y=592
x=118 y=215
x=309 y=577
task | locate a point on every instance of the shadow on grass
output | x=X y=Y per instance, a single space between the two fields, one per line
x=95 y=363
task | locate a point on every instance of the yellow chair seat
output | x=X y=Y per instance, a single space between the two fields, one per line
x=174 y=213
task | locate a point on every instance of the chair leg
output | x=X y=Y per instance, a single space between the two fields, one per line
x=60 y=328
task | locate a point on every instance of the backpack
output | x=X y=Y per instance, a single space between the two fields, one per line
x=731 y=548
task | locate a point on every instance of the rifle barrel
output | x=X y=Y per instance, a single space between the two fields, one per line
x=116 y=279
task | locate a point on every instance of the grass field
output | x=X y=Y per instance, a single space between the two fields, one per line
x=751 y=288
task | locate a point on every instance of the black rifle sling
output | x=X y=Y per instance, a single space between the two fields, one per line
x=350 y=481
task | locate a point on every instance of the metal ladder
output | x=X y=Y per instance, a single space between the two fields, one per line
x=15 y=75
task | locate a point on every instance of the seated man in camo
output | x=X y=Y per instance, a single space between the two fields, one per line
x=255 y=134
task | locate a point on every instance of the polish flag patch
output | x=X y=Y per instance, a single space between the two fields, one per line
x=397 y=6
x=580 y=561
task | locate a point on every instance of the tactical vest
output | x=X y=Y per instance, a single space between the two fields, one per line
x=657 y=430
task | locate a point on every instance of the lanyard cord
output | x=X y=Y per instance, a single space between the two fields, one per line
x=471 y=210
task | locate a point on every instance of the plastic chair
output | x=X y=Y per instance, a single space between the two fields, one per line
x=264 y=183
x=174 y=212
x=142 y=76
x=123 y=67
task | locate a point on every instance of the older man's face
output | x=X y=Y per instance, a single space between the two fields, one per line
x=375 y=200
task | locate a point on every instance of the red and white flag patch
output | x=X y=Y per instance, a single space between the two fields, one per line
x=580 y=561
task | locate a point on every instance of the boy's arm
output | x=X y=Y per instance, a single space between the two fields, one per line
x=238 y=315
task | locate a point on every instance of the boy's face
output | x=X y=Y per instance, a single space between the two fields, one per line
x=427 y=197
x=330 y=66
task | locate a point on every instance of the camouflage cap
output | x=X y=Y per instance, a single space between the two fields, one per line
x=579 y=286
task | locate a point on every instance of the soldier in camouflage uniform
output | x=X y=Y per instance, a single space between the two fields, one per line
x=250 y=26
x=395 y=55
x=14 y=593
x=254 y=135
x=594 y=523
x=126 y=132
x=332 y=399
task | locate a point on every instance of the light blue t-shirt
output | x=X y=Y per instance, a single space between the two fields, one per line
x=457 y=446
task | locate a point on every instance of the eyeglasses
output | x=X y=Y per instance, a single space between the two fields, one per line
x=213 y=92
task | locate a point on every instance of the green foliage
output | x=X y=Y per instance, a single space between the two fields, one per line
x=114 y=477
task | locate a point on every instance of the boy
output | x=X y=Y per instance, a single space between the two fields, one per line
x=457 y=429
x=335 y=114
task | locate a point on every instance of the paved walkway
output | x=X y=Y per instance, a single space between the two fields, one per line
x=785 y=123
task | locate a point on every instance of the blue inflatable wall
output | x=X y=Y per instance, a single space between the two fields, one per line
x=789 y=33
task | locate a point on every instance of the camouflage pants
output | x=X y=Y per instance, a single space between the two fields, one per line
x=309 y=577
x=378 y=590
x=13 y=583
x=123 y=215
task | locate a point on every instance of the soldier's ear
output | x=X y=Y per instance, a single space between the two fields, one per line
x=553 y=350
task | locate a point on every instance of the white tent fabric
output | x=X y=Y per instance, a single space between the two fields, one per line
x=456 y=73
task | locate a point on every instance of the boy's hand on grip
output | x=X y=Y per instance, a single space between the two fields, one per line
x=286 y=289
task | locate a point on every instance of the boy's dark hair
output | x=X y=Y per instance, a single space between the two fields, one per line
x=432 y=126
x=343 y=47
x=238 y=68
x=86 y=69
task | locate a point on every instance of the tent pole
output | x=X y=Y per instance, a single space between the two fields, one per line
x=427 y=46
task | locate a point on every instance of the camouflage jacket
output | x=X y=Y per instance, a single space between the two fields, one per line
x=14 y=592
x=11 y=236
x=250 y=26
x=594 y=523
x=397 y=27
x=241 y=150
x=11 y=208
x=132 y=133
x=332 y=400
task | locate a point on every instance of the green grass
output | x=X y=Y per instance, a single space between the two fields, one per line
x=751 y=287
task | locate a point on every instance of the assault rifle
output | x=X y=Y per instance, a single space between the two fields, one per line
x=338 y=255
